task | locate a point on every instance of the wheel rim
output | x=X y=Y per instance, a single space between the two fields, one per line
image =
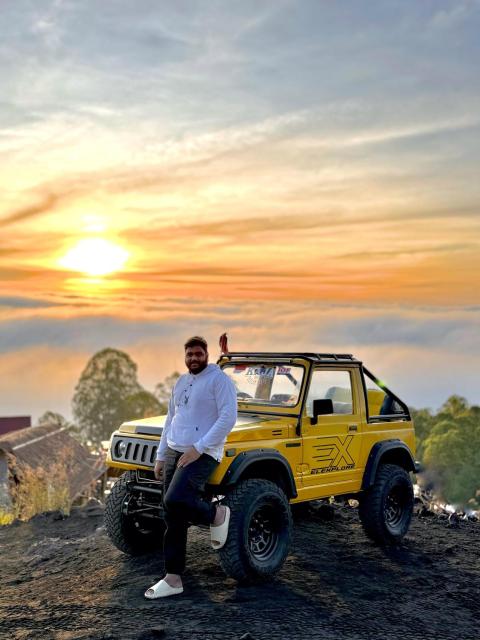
x=394 y=509
x=263 y=533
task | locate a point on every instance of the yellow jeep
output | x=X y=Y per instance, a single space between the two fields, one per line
x=310 y=426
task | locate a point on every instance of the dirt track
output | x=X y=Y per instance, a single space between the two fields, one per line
x=62 y=580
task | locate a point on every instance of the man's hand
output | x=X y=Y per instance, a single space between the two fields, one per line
x=189 y=456
x=158 y=469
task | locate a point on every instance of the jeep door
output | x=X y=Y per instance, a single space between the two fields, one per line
x=331 y=447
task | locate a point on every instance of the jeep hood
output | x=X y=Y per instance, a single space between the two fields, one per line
x=244 y=428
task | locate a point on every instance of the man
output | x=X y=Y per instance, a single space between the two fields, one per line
x=201 y=412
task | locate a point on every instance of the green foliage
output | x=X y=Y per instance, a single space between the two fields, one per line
x=455 y=407
x=53 y=418
x=108 y=393
x=56 y=419
x=141 y=404
x=449 y=445
x=424 y=422
x=109 y=378
x=164 y=389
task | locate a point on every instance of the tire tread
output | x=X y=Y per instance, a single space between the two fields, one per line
x=114 y=526
x=232 y=556
x=371 y=505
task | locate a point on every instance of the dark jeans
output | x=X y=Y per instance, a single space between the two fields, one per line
x=184 y=504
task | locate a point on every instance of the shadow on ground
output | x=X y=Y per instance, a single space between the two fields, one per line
x=63 y=580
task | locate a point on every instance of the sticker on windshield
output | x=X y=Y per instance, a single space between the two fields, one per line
x=240 y=368
x=283 y=370
x=261 y=372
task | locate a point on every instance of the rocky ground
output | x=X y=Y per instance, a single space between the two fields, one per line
x=61 y=579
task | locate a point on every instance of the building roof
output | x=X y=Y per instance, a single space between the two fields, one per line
x=14 y=423
x=49 y=445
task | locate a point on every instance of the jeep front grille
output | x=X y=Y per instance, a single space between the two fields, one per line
x=134 y=450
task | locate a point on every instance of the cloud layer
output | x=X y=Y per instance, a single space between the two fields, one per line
x=424 y=354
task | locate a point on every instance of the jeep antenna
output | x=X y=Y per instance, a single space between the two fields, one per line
x=223 y=342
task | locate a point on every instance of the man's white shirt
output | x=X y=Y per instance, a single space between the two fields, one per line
x=201 y=413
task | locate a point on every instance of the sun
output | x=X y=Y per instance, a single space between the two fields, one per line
x=95 y=257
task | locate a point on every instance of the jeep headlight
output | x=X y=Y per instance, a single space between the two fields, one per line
x=120 y=447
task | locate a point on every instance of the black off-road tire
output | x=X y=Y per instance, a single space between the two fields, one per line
x=259 y=534
x=386 y=508
x=129 y=533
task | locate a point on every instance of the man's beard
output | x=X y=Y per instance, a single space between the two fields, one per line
x=199 y=369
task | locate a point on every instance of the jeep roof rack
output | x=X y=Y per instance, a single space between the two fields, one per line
x=313 y=357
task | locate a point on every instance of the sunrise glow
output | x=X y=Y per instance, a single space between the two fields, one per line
x=95 y=257
x=300 y=178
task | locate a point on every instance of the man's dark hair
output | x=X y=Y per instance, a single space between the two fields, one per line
x=196 y=341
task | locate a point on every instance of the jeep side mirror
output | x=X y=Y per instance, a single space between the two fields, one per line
x=322 y=407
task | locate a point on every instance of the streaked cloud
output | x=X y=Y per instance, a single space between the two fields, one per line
x=24 y=303
x=411 y=132
x=454 y=15
x=24 y=213
x=423 y=354
x=161 y=318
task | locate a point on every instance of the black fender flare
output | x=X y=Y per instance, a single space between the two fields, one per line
x=376 y=453
x=247 y=458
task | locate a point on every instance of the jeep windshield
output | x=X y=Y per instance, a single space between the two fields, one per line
x=270 y=384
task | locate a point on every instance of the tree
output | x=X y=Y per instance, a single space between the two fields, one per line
x=141 y=404
x=449 y=445
x=99 y=399
x=445 y=451
x=53 y=418
x=423 y=421
x=164 y=389
x=56 y=419
x=455 y=407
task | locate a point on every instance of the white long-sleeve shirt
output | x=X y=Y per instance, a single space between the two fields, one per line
x=201 y=413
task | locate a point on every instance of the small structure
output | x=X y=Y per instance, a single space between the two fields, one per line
x=43 y=468
x=14 y=423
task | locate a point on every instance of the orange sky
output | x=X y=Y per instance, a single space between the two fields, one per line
x=244 y=185
x=341 y=253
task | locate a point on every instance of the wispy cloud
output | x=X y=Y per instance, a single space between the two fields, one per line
x=46 y=205
x=407 y=347
x=454 y=15
x=411 y=132
x=302 y=322
x=18 y=302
